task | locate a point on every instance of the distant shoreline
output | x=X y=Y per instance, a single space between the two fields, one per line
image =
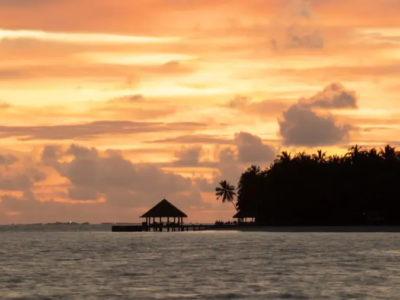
x=270 y=229
x=311 y=229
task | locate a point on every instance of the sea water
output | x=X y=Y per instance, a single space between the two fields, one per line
x=90 y=262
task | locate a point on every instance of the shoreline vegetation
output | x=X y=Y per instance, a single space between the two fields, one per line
x=312 y=229
x=360 y=188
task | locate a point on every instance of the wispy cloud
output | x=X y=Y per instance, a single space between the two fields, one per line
x=83 y=38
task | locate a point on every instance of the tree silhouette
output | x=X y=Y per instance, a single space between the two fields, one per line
x=227 y=192
x=358 y=188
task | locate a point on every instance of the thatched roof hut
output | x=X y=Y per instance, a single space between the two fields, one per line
x=164 y=209
x=244 y=214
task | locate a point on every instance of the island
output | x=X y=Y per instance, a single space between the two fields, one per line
x=359 y=188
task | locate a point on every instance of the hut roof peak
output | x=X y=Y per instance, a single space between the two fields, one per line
x=164 y=209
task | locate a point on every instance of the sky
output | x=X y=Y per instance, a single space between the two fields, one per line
x=107 y=107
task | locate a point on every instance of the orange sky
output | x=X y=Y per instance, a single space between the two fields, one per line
x=109 y=106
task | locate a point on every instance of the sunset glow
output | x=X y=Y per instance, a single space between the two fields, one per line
x=110 y=106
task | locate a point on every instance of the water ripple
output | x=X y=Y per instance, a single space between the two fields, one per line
x=97 y=264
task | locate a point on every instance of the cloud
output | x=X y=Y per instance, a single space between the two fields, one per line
x=294 y=28
x=107 y=181
x=302 y=127
x=238 y=102
x=122 y=183
x=20 y=175
x=252 y=150
x=300 y=38
x=231 y=161
x=83 y=183
x=245 y=148
x=188 y=156
x=132 y=107
x=82 y=193
x=228 y=168
x=346 y=72
x=53 y=67
x=28 y=209
x=265 y=108
x=196 y=139
x=7 y=159
x=4 y=105
x=21 y=180
x=92 y=130
x=129 y=99
x=334 y=95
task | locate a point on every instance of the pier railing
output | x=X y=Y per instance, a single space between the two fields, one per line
x=167 y=227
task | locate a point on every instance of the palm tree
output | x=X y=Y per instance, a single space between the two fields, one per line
x=355 y=152
x=388 y=152
x=227 y=192
x=248 y=188
x=372 y=154
x=284 y=157
x=320 y=156
x=360 y=187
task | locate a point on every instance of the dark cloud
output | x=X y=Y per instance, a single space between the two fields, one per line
x=302 y=127
x=50 y=154
x=188 y=156
x=83 y=152
x=334 y=95
x=7 y=159
x=231 y=161
x=32 y=210
x=238 y=102
x=228 y=168
x=21 y=181
x=247 y=149
x=82 y=193
x=121 y=182
x=228 y=165
x=252 y=150
x=92 y=130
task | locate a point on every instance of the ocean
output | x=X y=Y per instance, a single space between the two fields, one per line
x=91 y=262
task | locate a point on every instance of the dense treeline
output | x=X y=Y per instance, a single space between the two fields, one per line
x=361 y=187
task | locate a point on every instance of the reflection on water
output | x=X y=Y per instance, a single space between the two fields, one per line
x=89 y=262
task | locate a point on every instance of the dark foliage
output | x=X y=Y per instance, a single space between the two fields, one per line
x=359 y=188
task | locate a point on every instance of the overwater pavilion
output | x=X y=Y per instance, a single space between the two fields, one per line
x=243 y=215
x=162 y=210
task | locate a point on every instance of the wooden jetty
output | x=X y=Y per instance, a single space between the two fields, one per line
x=141 y=228
x=163 y=217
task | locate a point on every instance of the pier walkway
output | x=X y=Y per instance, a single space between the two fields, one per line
x=160 y=228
